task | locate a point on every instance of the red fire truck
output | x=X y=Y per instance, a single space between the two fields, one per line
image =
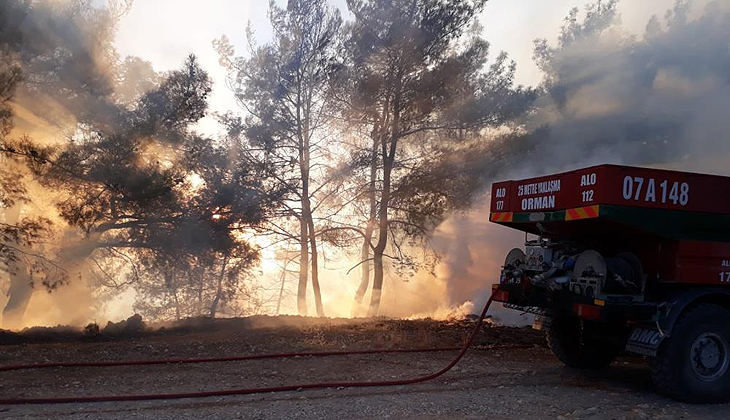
x=625 y=258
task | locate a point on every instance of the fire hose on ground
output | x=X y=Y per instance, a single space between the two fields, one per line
x=248 y=391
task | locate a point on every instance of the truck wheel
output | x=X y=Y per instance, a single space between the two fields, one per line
x=580 y=347
x=692 y=364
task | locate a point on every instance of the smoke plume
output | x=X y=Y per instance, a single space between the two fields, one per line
x=657 y=99
x=65 y=55
x=660 y=99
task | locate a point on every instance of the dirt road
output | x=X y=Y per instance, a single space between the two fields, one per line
x=494 y=384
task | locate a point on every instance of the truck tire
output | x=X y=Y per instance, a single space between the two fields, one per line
x=579 y=347
x=693 y=364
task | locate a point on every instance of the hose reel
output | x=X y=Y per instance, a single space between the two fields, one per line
x=593 y=274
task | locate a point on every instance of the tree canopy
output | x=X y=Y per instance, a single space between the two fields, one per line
x=355 y=137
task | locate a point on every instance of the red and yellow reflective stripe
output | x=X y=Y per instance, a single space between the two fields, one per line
x=501 y=217
x=582 y=213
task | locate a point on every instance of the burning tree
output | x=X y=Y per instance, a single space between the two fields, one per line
x=154 y=204
x=285 y=88
x=154 y=190
x=419 y=90
x=18 y=235
x=56 y=56
x=141 y=186
x=174 y=286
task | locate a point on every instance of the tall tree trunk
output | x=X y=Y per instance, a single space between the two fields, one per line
x=219 y=290
x=367 y=240
x=307 y=133
x=303 y=268
x=379 y=250
x=388 y=148
x=21 y=288
x=302 y=147
x=315 y=268
x=377 y=284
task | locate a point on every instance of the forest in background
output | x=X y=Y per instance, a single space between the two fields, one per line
x=354 y=139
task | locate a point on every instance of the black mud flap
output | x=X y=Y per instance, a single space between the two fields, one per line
x=645 y=340
x=542 y=322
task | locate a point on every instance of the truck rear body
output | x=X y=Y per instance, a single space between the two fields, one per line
x=646 y=242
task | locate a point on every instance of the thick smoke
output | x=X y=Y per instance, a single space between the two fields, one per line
x=68 y=73
x=657 y=100
x=66 y=54
x=474 y=250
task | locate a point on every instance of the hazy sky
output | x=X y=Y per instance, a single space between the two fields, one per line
x=165 y=31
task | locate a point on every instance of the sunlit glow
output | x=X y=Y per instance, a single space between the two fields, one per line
x=472 y=248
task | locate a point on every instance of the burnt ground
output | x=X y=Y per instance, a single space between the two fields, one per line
x=495 y=384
